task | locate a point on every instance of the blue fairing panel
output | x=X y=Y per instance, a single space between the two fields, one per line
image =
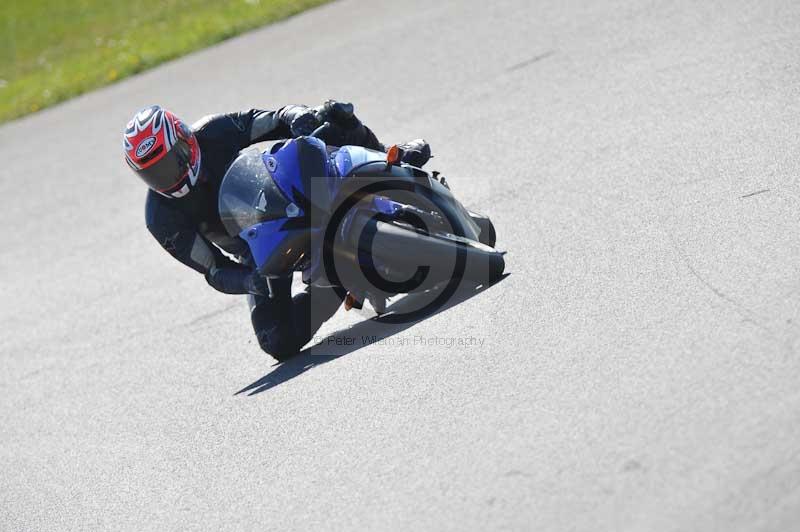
x=300 y=168
x=386 y=206
x=278 y=246
x=349 y=157
x=265 y=239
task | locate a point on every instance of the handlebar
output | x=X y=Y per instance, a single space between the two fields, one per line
x=320 y=130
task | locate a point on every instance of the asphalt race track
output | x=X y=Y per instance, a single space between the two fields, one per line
x=637 y=370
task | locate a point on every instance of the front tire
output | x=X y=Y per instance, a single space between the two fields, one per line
x=403 y=249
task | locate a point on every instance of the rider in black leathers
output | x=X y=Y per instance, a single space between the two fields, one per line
x=189 y=228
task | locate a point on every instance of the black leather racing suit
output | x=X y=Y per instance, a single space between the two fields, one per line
x=190 y=229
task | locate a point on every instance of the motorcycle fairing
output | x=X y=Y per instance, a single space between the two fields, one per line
x=301 y=169
x=266 y=199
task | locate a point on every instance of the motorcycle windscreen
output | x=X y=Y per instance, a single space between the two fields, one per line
x=248 y=195
x=349 y=157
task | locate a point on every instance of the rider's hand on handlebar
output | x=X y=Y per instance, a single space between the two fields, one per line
x=304 y=124
x=338 y=113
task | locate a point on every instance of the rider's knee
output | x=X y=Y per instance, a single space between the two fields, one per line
x=275 y=345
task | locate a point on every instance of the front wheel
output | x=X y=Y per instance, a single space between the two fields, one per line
x=411 y=260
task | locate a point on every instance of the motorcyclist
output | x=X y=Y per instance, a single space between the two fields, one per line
x=184 y=166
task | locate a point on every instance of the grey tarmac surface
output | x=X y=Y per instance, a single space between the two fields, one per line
x=638 y=369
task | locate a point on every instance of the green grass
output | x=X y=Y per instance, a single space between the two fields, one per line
x=51 y=50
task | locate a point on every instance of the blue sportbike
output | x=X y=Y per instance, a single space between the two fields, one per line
x=355 y=219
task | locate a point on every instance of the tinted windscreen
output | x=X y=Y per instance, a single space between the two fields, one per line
x=248 y=195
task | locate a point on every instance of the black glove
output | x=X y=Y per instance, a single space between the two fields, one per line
x=337 y=113
x=301 y=120
x=304 y=125
x=345 y=127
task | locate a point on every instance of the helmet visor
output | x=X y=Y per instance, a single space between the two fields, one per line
x=170 y=170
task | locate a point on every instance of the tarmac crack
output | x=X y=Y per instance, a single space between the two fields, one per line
x=532 y=60
x=738 y=307
x=754 y=193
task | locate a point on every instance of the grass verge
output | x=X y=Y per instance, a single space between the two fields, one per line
x=52 y=50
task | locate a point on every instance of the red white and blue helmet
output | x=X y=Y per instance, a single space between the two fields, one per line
x=163 y=151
